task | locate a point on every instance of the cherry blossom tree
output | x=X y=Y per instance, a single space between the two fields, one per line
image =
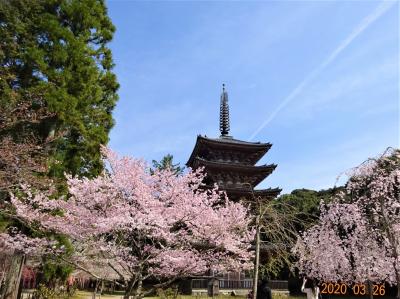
x=130 y=225
x=357 y=238
x=23 y=158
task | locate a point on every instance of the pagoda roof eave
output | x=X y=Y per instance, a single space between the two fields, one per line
x=230 y=143
x=258 y=173
x=241 y=168
x=230 y=140
x=273 y=192
x=269 y=193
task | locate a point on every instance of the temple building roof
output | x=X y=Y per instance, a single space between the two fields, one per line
x=239 y=174
x=247 y=152
x=269 y=193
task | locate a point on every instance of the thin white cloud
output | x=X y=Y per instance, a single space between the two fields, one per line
x=381 y=76
x=364 y=24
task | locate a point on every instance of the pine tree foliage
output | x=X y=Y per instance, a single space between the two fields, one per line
x=167 y=163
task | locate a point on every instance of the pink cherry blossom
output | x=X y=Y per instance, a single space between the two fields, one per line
x=357 y=238
x=132 y=225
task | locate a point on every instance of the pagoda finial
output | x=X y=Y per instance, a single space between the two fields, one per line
x=224 y=113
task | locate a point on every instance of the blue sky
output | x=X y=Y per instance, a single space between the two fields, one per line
x=318 y=79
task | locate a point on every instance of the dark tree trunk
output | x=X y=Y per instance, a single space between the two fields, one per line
x=138 y=293
x=128 y=289
x=19 y=295
x=256 y=258
x=13 y=278
x=135 y=286
x=370 y=290
x=94 y=296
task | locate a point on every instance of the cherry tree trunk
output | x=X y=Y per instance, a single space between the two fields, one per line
x=13 y=277
x=130 y=288
x=138 y=291
x=95 y=290
x=370 y=290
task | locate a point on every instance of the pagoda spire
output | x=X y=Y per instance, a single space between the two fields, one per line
x=224 y=113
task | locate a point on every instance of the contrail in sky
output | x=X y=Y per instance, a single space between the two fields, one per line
x=365 y=23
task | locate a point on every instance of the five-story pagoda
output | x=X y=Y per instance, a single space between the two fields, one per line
x=230 y=163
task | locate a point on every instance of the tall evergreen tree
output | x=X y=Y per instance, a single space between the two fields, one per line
x=167 y=163
x=54 y=57
x=306 y=202
x=57 y=93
